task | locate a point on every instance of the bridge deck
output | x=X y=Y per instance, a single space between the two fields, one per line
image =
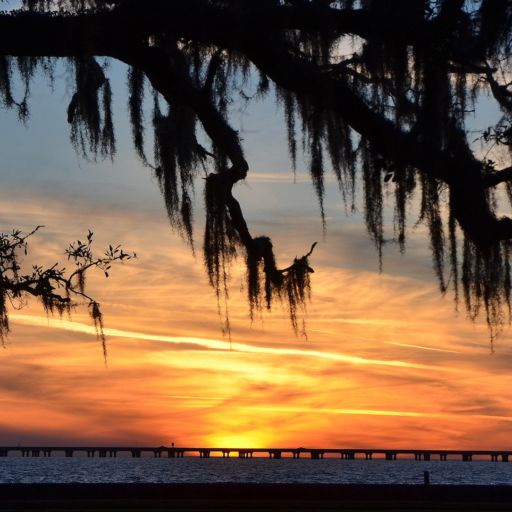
x=276 y=453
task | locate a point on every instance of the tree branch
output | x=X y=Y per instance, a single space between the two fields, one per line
x=500 y=92
x=495 y=178
x=174 y=85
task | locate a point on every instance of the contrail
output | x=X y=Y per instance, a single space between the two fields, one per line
x=211 y=344
x=355 y=412
x=379 y=412
x=421 y=347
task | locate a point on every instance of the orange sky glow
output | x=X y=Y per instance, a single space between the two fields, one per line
x=387 y=362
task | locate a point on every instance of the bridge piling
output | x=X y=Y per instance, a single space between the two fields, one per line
x=244 y=453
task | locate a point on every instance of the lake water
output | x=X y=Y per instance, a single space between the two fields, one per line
x=196 y=470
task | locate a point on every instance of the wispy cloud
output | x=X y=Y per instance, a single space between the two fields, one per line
x=213 y=344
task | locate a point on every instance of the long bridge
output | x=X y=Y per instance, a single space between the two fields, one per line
x=244 y=453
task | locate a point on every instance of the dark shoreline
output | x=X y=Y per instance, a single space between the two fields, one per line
x=367 y=492
x=249 y=496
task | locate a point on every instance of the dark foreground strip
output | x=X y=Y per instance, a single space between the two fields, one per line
x=247 y=491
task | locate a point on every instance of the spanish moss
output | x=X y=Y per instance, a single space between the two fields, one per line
x=379 y=92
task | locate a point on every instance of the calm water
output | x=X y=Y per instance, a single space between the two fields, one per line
x=95 y=470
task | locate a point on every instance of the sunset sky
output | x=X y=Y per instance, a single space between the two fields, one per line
x=387 y=363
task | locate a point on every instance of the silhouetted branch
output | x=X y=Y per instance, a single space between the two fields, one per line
x=500 y=92
x=213 y=67
x=495 y=178
x=52 y=286
x=174 y=86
